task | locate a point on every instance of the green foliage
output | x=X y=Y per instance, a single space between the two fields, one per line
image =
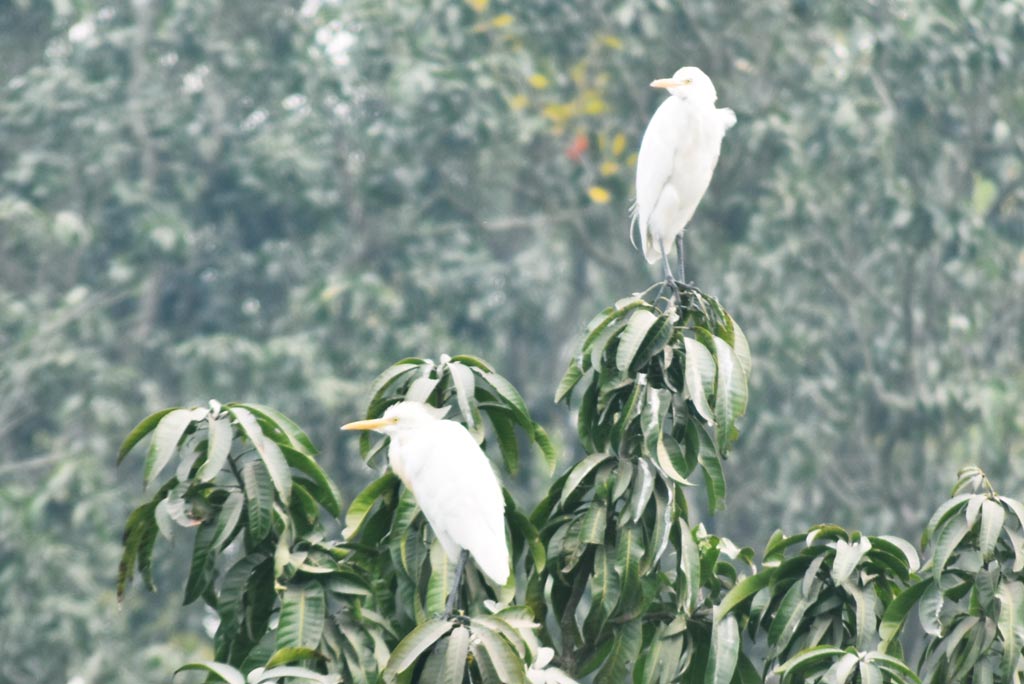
x=249 y=199
x=613 y=581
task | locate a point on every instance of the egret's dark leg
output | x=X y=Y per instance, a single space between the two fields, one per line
x=449 y=607
x=682 y=265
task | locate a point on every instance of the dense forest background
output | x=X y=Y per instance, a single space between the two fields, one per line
x=274 y=201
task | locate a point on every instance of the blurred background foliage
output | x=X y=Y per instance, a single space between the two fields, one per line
x=274 y=201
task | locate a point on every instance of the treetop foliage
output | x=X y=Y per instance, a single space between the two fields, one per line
x=248 y=200
x=614 y=577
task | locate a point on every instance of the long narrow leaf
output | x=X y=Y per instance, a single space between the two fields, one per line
x=166 y=436
x=415 y=643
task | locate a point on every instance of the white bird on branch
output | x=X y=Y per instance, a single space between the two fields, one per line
x=453 y=484
x=678 y=155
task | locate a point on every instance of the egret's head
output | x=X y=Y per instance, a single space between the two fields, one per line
x=690 y=84
x=405 y=415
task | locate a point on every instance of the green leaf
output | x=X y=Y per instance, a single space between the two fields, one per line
x=200 y=573
x=700 y=377
x=228 y=517
x=136 y=530
x=472 y=361
x=218 y=446
x=865 y=604
x=725 y=649
x=223 y=672
x=1017 y=507
x=744 y=590
x=730 y=393
x=787 y=618
x=593 y=527
x=389 y=376
x=270 y=453
x=689 y=565
x=714 y=480
x=526 y=529
x=413 y=645
x=896 y=612
x=291 y=654
x=1011 y=596
x=869 y=673
x=948 y=508
x=547 y=449
x=949 y=537
x=302 y=616
x=230 y=600
x=277 y=674
x=326 y=492
x=624 y=652
x=141 y=430
x=929 y=609
x=573 y=374
x=507 y=664
x=604 y=584
x=660 y=533
x=741 y=347
x=811 y=657
x=166 y=436
x=892 y=665
x=510 y=395
x=629 y=551
x=848 y=557
x=840 y=672
x=654 y=341
x=455 y=656
x=365 y=500
x=259 y=497
x=671 y=459
x=442 y=572
x=579 y=472
x=484 y=663
x=289 y=430
x=992 y=518
x=463 y=379
x=505 y=431
x=893 y=545
x=632 y=337
x=643 y=489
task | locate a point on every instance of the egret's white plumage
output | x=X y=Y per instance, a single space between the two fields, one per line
x=677 y=157
x=452 y=481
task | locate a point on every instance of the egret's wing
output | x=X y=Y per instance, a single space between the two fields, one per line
x=654 y=166
x=461 y=498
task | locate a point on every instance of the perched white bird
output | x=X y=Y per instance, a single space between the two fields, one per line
x=453 y=484
x=678 y=154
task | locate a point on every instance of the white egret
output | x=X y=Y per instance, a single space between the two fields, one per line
x=677 y=157
x=453 y=484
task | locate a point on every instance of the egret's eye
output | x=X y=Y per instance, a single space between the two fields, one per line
x=687 y=81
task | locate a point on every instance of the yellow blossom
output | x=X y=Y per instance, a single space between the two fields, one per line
x=618 y=144
x=599 y=195
x=538 y=81
x=518 y=102
x=609 y=168
x=502 y=20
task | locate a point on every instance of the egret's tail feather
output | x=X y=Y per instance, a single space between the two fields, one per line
x=634 y=223
x=728 y=117
x=494 y=566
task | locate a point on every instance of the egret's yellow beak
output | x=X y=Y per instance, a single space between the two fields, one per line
x=665 y=83
x=372 y=424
